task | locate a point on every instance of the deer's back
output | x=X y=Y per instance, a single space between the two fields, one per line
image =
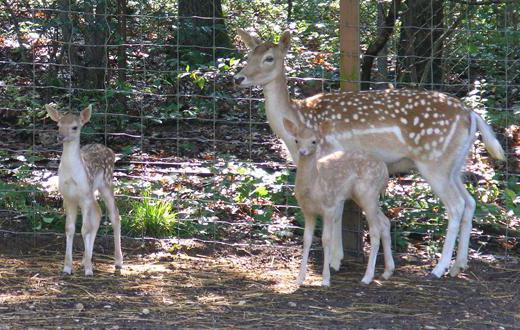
x=390 y=124
x=340 y=172
x=98 y=161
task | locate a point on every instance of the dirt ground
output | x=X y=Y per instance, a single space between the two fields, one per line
x=189 y=284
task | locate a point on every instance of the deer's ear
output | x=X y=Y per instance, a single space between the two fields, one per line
x=290 y=127
x=285 y=41
x=250 y=41
x=85 y=114
x=52 y=112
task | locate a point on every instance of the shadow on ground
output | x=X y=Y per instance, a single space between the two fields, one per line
x=189 y=284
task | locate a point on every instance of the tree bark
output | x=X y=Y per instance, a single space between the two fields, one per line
x=422 y=28
x=374 y=48
x=202 y=27
x=122 y=31
x=89 y=61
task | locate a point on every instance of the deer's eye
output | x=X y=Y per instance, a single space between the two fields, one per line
x=269 y=59
x=313 y=142
x=75 y=128
x=296 y=141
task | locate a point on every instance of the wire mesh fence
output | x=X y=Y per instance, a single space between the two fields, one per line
x=196 y=157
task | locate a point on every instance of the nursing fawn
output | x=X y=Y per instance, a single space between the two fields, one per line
x=83 y=172
x=324 y=181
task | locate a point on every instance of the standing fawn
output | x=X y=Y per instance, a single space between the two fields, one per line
x=83 y=172
x=324 y=181
x=407 y=129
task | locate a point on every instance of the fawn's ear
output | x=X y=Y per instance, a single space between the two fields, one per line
x=85 y=114
x=285 y=41
x=250 y=41
x=290 y=127
x=52 y=112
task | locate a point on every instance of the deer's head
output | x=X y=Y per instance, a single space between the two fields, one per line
x=304 y=137
x=69 y=125
x=265 y=60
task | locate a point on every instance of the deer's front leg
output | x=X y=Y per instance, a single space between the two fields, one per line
x=91 y=219
x=310 y=223
x=71 y=211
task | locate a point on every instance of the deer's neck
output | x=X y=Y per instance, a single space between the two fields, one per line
x=71 y=157
x=306 y=173
x=277 y=106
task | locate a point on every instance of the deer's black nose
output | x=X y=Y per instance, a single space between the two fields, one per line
x=239 y=80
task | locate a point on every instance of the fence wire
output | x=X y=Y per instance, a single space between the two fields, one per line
x=196 y=157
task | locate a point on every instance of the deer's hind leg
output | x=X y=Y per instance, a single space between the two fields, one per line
x=91 y=213
x=444 y=186
x=107 y=193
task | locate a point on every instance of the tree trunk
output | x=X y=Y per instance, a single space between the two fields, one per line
x=96 y=34
x=88 y=61
x=202 y=28
x=122 y=31
x=422 y=27
x=382 y=60
x=377 y=45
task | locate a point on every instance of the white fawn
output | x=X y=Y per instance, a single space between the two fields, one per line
x=83 y=172
x=425 y=130
x=324 y=181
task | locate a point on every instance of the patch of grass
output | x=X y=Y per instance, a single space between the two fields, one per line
x=153 y=217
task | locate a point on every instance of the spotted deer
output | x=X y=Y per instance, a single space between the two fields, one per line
x=426 y=130
x=83 y=172
x=324 y=181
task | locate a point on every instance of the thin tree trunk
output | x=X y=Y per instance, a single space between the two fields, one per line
x=122 y=31
x=422 y=27
x=382 y=61
x=374 y=48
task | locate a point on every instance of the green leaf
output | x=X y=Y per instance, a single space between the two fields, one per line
x=262 y=191
x=48 y=220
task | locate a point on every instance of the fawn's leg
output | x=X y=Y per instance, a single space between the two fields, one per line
x=386 y=239
x=326 y=240
x=91 y=219
x=337 y=240
x=310 y=223
x=113 y=212
x=71 y=211
x=375 y=238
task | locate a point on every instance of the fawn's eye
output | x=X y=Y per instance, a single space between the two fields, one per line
x=296 y=141
x=75 y=128
x=269 y=59
x=313 y=142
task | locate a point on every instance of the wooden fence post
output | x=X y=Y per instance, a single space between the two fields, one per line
x=349 y=73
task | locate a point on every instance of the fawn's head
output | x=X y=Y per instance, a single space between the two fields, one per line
x=304 y=137
x=69 y=125
x=265 y=60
